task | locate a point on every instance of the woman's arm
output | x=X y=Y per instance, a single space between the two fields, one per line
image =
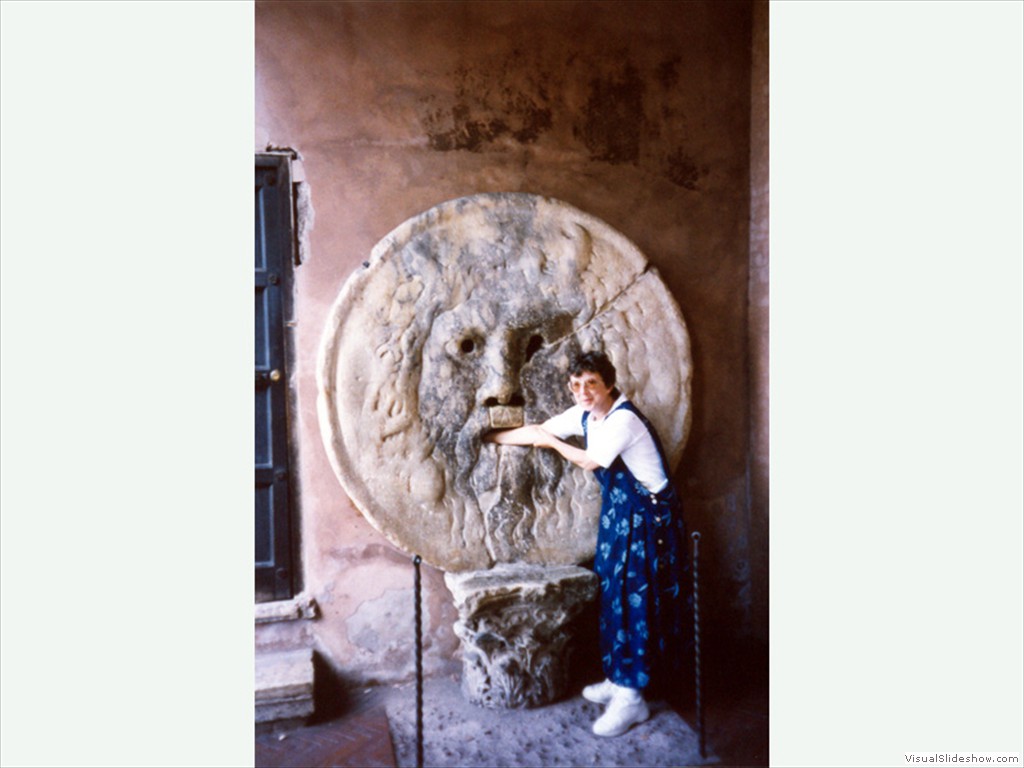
x=528 y=435
x=577 y=456
x=537 y=436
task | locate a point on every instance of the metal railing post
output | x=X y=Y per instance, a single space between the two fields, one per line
x=696 y=642
x=419 y=665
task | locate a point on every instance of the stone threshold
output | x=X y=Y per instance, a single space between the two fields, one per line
x=302 y=606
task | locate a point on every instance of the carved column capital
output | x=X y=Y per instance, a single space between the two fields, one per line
x=512 y=624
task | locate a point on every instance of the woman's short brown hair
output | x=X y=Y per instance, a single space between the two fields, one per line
x=594 y=362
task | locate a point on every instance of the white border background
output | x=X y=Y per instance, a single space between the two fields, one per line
x=897 y=209
x=897 y=378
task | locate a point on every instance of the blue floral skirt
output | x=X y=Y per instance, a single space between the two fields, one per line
x=646 y=589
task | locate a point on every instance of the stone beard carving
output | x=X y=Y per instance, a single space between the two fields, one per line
x=466 y=318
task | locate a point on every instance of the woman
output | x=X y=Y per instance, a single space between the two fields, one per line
x=640 y=553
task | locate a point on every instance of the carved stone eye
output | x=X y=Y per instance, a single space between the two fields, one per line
x=533 y=346
x=464 y=345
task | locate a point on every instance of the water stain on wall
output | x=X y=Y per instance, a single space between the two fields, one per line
x=489 y=109
x=613 y=118
x=614 y=127
x=484 y=113
x=668 y=72
x=682 y=170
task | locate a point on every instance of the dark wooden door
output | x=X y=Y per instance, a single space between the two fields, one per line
x=275 y=577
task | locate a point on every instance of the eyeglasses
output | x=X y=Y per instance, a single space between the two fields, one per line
x=588 y=386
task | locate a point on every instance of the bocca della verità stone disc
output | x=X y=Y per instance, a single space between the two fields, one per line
x=465 y=319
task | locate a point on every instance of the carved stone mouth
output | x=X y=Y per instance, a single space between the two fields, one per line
x=505 y=416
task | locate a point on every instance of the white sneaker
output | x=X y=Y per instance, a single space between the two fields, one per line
x=600 y=693
x=627 y=708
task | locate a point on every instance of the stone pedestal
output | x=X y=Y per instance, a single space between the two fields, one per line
x=513 y=627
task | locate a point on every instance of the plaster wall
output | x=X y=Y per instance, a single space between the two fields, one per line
x=637 y=113
x=758 y=322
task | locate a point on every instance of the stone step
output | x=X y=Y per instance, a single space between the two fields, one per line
x=284 y=685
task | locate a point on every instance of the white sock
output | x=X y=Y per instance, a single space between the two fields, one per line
x=628 y=694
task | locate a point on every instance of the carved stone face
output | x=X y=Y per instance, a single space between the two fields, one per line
x=488 y=364
x=466 y=319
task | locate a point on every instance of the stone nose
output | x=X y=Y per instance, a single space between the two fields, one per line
x=502 y=385
x=502 y=388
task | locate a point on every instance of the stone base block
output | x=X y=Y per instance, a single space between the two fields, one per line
x=513 y=622
x=284 y=686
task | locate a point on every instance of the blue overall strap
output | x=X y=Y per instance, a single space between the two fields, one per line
x=603 y=473
x=627 y=405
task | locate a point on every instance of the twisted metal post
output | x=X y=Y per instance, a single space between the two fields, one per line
x=696 y=642
x=419 y=665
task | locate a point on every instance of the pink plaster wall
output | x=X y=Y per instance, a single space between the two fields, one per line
x=759 y=199
x=638 y=113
